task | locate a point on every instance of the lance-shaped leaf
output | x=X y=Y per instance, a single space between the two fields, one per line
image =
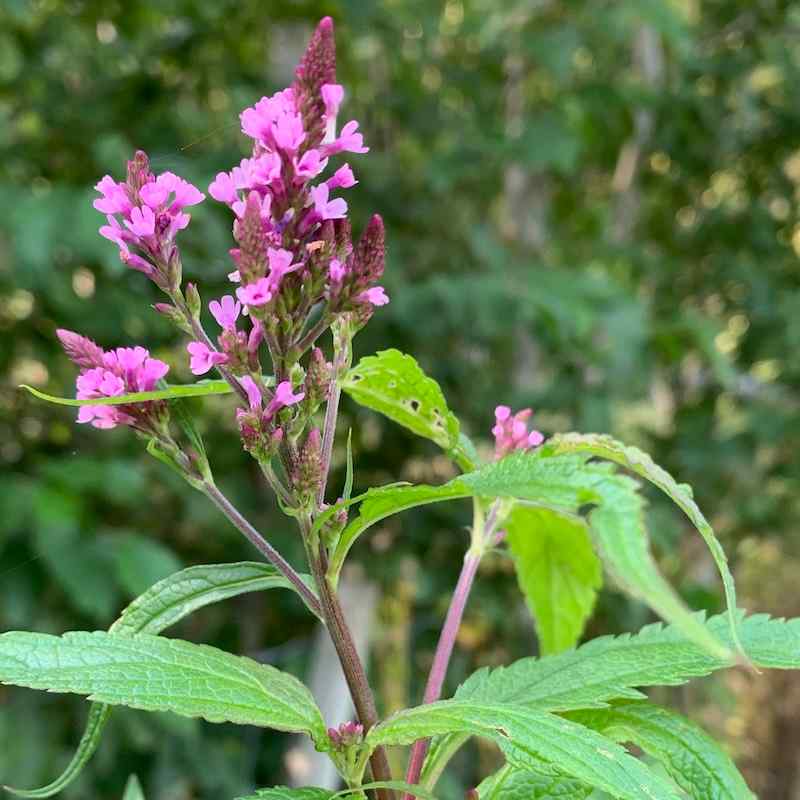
x=286 y=793
x=199 y=389
x=530 y=739
x=152 y=673
x=691 y=757
x=616 y=667
x=133 y=789
x=516 y=784
x=569 y=482
x=378 y=504
x=557 y=570
x=639 y=462
x=393 y=384
x=164 y=604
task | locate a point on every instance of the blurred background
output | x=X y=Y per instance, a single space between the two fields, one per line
x=591 y=208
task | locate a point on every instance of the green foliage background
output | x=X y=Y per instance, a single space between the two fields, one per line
x=591 y=208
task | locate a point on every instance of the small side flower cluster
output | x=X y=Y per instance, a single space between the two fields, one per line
x=346 y=735
x=152 y=211
x=113 y=373
x=260 y=432
x=511 y=431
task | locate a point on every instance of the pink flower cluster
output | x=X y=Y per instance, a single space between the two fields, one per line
x=347 y=734
x=110 y=374
x=257 y=424
x=511 y=431
x=286 y=219
x=152 y=212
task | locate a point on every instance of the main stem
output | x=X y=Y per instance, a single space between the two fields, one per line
x=441 y=660
x=260 y=543
x=352 y=667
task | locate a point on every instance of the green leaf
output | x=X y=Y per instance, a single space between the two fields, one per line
x=152 y=673
x=177 y=596
x=133 y=789
x=393 y=384
x=515 y=784
x=567 y=482
x=691 y=757
x=618 y=525
x=377 y=504
x=285 y=793
x=398 y=786
x=198 y=389
x=557 y=570
x=613 y=668
x=162 y=605
x=639 y=462
x=530 y=738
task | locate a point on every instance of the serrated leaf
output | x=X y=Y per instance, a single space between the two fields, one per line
x=619 y=527
x=378 y=504
x=530 y=738
x=690 y=756
x=615 y=667
x=133 y=789
x=393 y=384
x=285 y=793
x=566 y=482
x=152 y=673
x=515 y=784
x=557 y=570
x=199 y=389
x=162 y=605
x=398 y=786
x=639 y=462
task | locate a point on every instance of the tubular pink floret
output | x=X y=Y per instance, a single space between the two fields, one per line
x=511 y=431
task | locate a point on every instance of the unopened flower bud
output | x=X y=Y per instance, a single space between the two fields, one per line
x=249 y=231
x=370 y=252
x=175 y=316
x=307 y=473
x=138 y=172
x=346 y=735
x=81 y=350
x=193 y=301
x=318 y=380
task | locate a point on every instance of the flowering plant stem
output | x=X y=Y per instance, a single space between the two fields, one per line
x=482 y=533
x=213 y=493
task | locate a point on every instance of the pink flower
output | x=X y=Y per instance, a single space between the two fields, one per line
x=349 y=140
x=343 y=178
x=115 y=199
x=223 y=189
x=254 y=395
x=511 y=431
x=310 y=165
x=283 y=398
x=142 y=221
x=203 y=358
x=255 y=294
x=280 y=264
x=225 y=311
x=376 y=295
x=337 y=270
x=325 y=209
x=332 y=96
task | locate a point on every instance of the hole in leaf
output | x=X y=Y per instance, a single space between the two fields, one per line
x=414 y=405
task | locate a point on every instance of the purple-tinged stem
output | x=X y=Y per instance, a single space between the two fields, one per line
x=441 y=660
x=262 y=545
